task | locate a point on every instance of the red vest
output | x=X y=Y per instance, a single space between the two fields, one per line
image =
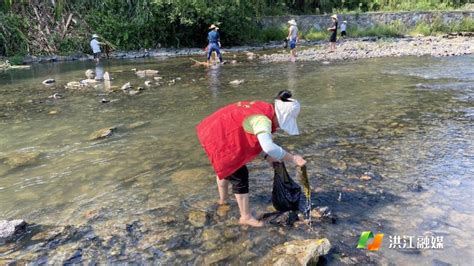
x=224 y=139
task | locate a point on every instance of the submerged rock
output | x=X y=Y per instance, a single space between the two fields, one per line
x=137 y=124
x=198 y=218
x=189 y=175
x=102 y=133
x=298 y=252
x=22 y=158
x=10 y=229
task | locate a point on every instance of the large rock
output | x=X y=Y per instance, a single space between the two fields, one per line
x=298 y=252
x=10 y=229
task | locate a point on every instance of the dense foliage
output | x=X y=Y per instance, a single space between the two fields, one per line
x=61 y=26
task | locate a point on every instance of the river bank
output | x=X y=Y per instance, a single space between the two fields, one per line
x=351 y=48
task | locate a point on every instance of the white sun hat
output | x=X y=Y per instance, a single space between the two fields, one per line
x=287 y=113
x=95 y=36
x=292 y=22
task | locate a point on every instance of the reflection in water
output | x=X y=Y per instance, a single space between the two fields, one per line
x=99 y=71
x=213 y=73
x=292 y=78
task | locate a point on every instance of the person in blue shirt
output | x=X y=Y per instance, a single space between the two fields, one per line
x=214 y=43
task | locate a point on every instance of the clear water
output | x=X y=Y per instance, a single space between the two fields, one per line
x=407 y=120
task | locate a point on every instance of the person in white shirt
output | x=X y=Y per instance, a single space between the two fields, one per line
x=343 y=28
x=95 y=46
x=292 y=38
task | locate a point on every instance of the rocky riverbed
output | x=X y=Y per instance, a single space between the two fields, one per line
x=373 y=47
x=351 y=48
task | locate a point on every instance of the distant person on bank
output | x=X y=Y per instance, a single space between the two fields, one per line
x=333 y=37
x=95 y=46
x=214 y=43
x=343 y=28
x=237 y=133
x=292 y=38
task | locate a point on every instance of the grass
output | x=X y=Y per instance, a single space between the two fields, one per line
x=314 y=35
x=392 y=30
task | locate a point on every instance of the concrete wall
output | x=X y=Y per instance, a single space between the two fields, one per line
x=367 y=20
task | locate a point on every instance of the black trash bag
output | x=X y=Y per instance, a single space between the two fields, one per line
x=286 y=195
x=285 y=43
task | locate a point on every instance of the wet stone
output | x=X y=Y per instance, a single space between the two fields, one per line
x=198 y=218
x=298 y=252
x=222 y=210
x=11 y=228
x=102 y=133
x=22 y=158
x=210 y=234
x=339 y=165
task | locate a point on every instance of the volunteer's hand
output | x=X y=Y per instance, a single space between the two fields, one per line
x=270 y=160
x=298 y=160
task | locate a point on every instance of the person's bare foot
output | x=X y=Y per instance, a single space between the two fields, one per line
x=250 y=222
x=222 y=202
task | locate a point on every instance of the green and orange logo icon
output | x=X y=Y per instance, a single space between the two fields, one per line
x=364 y=238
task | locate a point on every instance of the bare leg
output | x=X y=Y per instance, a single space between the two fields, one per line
x=246 y=217
x=223 y=187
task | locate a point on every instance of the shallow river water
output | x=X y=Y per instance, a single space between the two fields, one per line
x=408 y=123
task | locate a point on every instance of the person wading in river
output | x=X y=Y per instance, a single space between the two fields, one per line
x=95 y=46
x=292 y=38
x=333 y=30
x=235 y=134
x=214 y=43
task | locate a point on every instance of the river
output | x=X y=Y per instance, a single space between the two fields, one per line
x=405 y=122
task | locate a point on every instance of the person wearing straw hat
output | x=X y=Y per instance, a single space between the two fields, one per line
x=237 y=133
x=95 y=46
x=343 y=28
x=214 y=43
x=292 y=38
x=333 y=30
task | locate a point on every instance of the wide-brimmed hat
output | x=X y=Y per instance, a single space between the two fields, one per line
x=287 y=113
x=334 y=17
x=292 y=22
x=213 y=27
x=95 y=36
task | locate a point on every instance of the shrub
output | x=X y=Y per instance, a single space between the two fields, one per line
x=314 y=35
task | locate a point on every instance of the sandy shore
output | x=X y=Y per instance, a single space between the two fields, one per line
x=372 y=48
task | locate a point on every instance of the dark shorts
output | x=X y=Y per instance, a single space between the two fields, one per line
x=292 y=44
x=333 y=37
x=240 y=180
x=343 y=33
x=96 y=55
